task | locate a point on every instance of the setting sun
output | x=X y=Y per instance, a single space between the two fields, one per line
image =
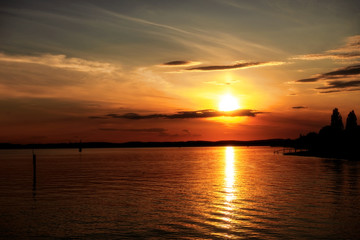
x=228 y=103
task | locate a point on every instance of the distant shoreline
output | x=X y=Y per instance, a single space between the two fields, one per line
x=335 y=155
x=266 y=142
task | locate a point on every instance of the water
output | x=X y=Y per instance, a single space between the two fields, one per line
x=177 y=193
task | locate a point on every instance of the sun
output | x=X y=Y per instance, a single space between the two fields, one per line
x=228 y=103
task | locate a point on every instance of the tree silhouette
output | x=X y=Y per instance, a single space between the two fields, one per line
x=351 y=121
x=333 y=141
x=336 y=120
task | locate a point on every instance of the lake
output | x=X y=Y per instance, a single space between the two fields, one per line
x=177 y=193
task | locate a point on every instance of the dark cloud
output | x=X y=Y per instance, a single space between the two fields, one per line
x=207 y=113
x=308 y=80
x=353 y=89
x=299 y=107
x=176 y=63
x=346 y=71
x=349 y=71
x=341 y=90
x=226 y=67
x=341 y=84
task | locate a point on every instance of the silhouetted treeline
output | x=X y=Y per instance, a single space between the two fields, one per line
x=268 y=142
x=334 y=140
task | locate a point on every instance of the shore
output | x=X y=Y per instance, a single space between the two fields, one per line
x=266 y=142
x=354 y=156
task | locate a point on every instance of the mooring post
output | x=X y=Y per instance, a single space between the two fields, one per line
x=34 y=171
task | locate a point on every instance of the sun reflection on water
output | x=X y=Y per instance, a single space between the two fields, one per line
x=229 y=174
x=229 y=193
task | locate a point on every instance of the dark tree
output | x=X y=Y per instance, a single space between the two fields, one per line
x=351 y=121
x=336 y=120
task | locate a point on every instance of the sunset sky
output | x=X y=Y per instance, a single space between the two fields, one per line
x=157 y=70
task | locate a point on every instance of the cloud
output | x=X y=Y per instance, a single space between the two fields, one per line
x=207 y=113
x=342 y=79
x=234 y=66
x=351 y=50
x=299 y=107
x=344 y=72
x=341 y=84
x=60 y=61
x=176 y=63
x=349 y=79
x=350 y=70
x=342 y=90
x=142 y=21
x=315 y=79
x=331 y=91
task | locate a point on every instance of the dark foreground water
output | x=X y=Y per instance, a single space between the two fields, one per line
x=177 y=193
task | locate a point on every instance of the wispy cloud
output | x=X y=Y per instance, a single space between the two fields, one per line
x=60 y=61
x=207 y=113
x=344 y=72
x=235 y=66
x=351 y=50
x=142 y=21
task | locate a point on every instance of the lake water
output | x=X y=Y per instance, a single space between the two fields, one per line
x=177 y=193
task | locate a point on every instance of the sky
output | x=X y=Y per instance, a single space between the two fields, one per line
x=157 y=70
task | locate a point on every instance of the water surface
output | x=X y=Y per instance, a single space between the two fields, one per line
x=178 y=193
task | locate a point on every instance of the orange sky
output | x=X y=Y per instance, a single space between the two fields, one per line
x=120 y=71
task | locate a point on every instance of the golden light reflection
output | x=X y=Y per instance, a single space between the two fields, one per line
x=229 y=174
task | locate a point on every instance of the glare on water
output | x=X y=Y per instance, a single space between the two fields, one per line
x=229 y=173
x=177 y=193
